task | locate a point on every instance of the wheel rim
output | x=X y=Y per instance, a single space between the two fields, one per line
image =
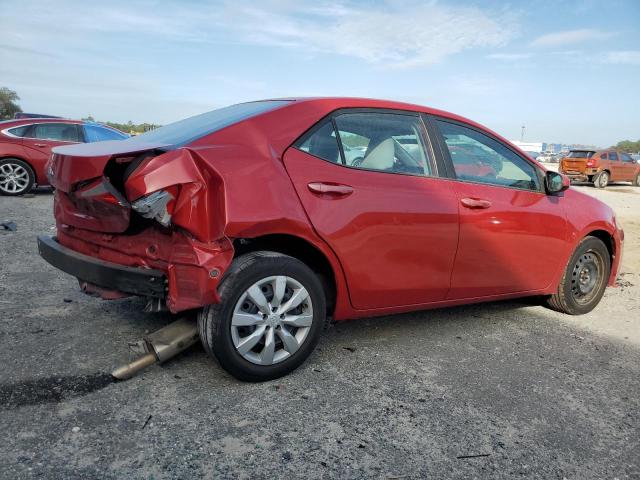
x=271 y=320
x=586 y=277
x=604 y=179
x=14 y=178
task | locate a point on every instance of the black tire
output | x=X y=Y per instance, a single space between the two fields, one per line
x=601 y=180
x=570 y=298
x=214 y=321
x=16 y=163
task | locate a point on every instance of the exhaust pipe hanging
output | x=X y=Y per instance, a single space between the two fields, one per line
x=161 y=346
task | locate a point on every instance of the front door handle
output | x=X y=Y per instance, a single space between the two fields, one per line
x=41 y=145
x=330 y=189
x=475 y=203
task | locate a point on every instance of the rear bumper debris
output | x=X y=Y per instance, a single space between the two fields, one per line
x=136 y=281
x=171 y=267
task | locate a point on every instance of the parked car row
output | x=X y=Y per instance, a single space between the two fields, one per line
x=271 y=218
x=26 y=143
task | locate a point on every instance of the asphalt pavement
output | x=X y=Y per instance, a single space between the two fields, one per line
x=498 y=390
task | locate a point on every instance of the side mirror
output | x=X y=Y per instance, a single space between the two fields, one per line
x=556 y=182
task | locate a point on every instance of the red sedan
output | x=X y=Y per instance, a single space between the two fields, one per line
x=254 y=215
x=25 y=148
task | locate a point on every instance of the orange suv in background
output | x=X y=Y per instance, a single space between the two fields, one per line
x=600 y=167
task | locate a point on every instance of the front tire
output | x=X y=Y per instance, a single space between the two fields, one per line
x=270 y=317
x=584 y=280
x=16 y=177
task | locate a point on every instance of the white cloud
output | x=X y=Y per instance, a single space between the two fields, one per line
x=569 y=37
x=623 y=57
x=404 y=34
x=509 y=57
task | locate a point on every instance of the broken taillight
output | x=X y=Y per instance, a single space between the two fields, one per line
x=591 y=162
x=158 y=205
x=99 y=190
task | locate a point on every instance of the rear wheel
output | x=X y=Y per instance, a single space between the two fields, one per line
x=601 y=180
x=270 y=317
x=584 y=280
x=16 y=177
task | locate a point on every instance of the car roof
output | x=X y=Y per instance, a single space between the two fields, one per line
x=16 y=122
x=336 y=103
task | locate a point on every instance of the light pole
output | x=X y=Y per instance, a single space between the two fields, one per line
x=522 y=129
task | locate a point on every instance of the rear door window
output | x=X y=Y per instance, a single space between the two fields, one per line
x=613 y=156
x=62 y=132
x=322 y=142
x=386 y=142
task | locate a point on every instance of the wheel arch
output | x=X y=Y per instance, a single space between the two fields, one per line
x=607 y=239
x=300 y=249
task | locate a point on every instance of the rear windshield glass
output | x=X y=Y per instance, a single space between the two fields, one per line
x=580 y=154
x=190 y=129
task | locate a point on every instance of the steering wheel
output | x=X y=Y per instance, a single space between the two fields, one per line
x=357 y=161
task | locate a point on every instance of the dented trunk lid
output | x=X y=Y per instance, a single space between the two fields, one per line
x=89 y=183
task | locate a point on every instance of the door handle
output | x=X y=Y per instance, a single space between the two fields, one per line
x=330 y=188
x=41 y=145
x=475 y=203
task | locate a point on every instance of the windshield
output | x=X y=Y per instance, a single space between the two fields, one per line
x=192 y=128
x=580 y=154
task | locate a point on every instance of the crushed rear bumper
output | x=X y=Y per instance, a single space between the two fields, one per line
x=135 y=281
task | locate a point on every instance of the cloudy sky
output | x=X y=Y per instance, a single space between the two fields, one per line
x=569 y=71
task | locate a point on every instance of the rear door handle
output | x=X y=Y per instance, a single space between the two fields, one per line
x=330 y=188
x=41 y=145
x=475 y=203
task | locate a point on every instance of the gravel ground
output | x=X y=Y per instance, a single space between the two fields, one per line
x=496 y=390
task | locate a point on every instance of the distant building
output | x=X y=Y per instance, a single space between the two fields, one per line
x=528 y=146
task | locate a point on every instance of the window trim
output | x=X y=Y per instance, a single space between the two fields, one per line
x=444 y=150
x=422 y=131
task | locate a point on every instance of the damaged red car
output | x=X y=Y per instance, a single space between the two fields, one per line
x=271 y=218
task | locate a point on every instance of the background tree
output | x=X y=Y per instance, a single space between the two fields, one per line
x=8 y=103
x=629 y=146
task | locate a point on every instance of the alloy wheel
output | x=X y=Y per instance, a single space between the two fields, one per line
x=603 y=179
x=271 y=320
x=14 y=178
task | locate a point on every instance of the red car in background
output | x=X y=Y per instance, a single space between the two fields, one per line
x=26 y=143
x=254 y=217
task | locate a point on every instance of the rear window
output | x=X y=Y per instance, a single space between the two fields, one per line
x=580 y=154
x=192 y=128
x=97 y=133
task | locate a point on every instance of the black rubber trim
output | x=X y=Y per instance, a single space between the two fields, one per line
x=136 y=281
